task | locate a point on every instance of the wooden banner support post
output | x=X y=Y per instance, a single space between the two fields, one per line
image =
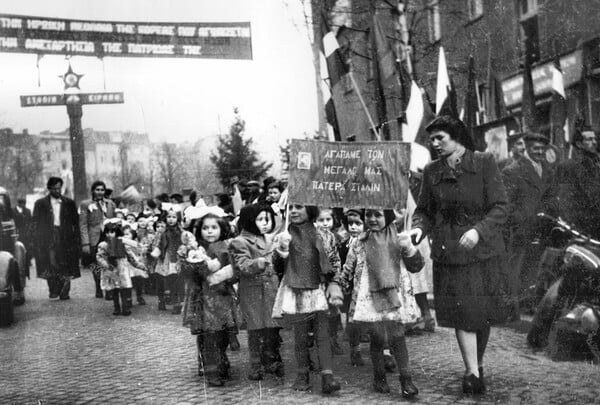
x=74 y=102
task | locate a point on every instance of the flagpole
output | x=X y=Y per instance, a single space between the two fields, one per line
x=364 y=105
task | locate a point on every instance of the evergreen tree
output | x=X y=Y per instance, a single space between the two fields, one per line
x=235 y=155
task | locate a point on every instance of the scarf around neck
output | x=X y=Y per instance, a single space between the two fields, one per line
x=383 y=255
x=455 y=157
x=308 y=260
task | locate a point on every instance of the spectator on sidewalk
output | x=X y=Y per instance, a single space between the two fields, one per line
x=92 y=214
x=56 y=239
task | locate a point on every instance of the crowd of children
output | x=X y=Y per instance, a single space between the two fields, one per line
x=266 y=271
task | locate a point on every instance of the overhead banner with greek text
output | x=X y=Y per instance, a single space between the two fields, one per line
x=40 y=35
x=349 y=174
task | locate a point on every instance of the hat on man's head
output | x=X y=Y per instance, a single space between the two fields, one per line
x=253 y=183
x=536 y=137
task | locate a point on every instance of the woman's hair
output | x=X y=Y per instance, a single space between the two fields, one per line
x=97 y=183
x=357 y=212
x=454 y=127
x=276 y=184
x=388 y=215
x=222 y=222
x=164 y=215
x=162 y=219
x=334 y=214
x=112 y=226
x=131 y=230
x=248 y=215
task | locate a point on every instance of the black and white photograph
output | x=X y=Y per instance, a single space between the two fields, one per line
x=299 y=202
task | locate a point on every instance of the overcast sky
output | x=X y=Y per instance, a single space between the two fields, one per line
x=175 y=99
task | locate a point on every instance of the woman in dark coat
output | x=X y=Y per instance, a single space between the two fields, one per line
x=463 y=207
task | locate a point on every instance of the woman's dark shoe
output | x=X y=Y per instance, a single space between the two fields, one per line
x=472 y=385
x=99 y=294
x=380 y=384
x=234 y=343
x=481 y=378
x=256 y=372
x=141 y=301
x=215 y=381
x=355 y=358
x=336 y=348
x=409 y=390
x=302 y=382
x=389 y=363
x=126 y=312
x=117 y=312
x=328 y=384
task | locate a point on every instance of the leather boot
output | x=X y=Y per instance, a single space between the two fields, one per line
x=355 y=357
x=409 y=390
x=211 y=360
x=272 y=361
x=328 y=384
x=115 y=299
x=126 y=301
x=302 y=382
x=379 y=380
x=472 y=385
x=255 y=351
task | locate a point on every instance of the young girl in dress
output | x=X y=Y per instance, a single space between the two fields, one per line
x=326 y=222
x=354 y=221
x=382 y=299
x=209 y=302
x=135 y=249
x=251 y=253
x=309 y=265
x=118 y=263
x=167 y=264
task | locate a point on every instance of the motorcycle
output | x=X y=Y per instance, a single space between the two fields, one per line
x=566 y=319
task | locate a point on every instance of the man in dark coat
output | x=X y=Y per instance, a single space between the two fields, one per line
x=57 y=241
x=579 y=184
x=22 y=216
x=530 y=188
x=92 y=214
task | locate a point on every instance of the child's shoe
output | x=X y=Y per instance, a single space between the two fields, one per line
x=302 y=382
x=409 y=390
x=380 y=384
x=126 y=312
x=355 y=357
x=328 y=384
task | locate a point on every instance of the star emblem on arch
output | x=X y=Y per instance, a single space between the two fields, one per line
x=71 y=79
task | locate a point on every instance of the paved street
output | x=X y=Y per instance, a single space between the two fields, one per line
x=76 y=352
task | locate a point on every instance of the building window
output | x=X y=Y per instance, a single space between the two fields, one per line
x=47 y=156
x=63 y=146
x=433 y=20
x=474 y=9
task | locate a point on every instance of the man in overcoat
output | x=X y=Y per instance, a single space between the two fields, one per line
x=92 y=214
x=579 y=184
x=55 y=225
x=530 y=188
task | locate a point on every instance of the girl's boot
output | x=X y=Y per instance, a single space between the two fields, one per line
x=125 y=301
x=271 y=357
x=97 y=282
x=328 y=384
x=255 y=351
x=115 y=298
x=212 y=359
x=379 y=380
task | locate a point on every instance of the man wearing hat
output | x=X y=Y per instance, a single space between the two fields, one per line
x=516 y=149
x=529 y=182
x=55 y=225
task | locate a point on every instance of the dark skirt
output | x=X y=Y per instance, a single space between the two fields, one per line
x=473 y=296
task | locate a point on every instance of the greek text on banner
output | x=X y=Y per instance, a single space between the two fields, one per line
x=349 y=174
